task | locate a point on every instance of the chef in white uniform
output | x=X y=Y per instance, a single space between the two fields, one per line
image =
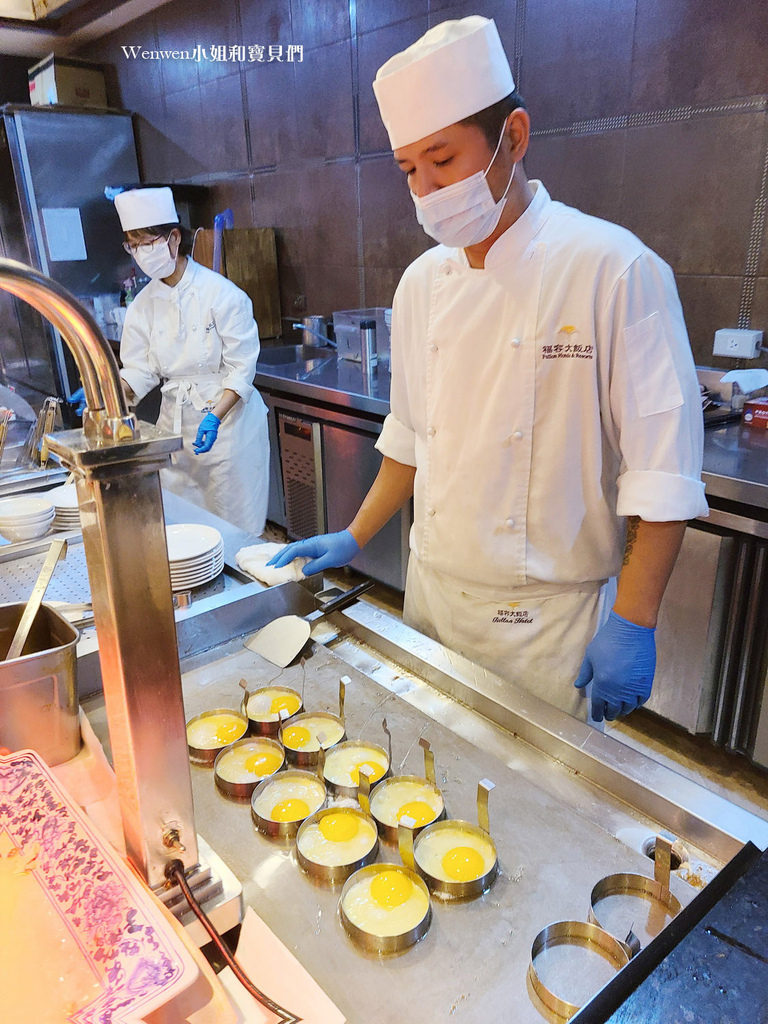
x=192 y=331
x=545 y=412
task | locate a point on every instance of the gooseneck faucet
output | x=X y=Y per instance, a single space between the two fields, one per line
x=117 y=471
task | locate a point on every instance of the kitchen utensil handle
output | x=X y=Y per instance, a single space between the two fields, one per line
x=57 y=550
x=345 y=599
x=5 y=419
x=662 y=859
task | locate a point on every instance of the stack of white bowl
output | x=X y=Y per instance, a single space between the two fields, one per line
x=64 y=499
x=195 y=555
x=25 y=518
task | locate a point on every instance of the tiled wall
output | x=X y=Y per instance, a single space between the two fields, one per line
x=651 y=113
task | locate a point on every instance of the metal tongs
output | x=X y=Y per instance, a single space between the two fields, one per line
x=5 y=419
x=35 y=448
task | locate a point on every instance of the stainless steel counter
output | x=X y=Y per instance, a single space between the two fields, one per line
x=335 y=382
x=736 y=464
x=735 y=457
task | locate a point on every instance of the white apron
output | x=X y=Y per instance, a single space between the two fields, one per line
x=232 y=479
x=533 y=636
x=196 y=340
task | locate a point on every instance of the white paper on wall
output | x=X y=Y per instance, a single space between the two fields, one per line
x=64 y=234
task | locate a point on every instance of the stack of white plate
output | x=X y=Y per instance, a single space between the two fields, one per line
x=195 y=555
x=25 y=518
x=64 y=499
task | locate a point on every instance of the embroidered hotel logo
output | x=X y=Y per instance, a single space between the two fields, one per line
x=514 y=615
x=567 y=345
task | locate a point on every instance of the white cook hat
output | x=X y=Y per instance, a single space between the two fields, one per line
x=456 y=69
x=145 y=207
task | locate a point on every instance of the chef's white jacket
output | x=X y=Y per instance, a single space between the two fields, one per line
x=196 y=339
x=203 y=325
x=541 y=399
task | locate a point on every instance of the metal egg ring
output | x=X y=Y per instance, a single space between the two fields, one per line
x=351 y=791
x=262 y=727
x=389 y=832
x=572 y=933
x=243 y=790
x=385 y=943
x=207 y=755
x=283 y=829
x=310 y=758
x=448 y=890
x=471 y=888
x=637 y=887
x=334 y=873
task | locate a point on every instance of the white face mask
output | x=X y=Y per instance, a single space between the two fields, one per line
x=155 y=259
x=464 y=213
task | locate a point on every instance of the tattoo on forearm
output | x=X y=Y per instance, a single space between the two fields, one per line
x=633 y=523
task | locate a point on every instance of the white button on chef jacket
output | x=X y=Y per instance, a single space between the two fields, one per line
x=604 y=400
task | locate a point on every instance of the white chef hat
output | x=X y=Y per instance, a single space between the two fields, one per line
x=456 y=69
x=145 y=207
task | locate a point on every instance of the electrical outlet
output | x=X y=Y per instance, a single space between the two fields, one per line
x=738 y=343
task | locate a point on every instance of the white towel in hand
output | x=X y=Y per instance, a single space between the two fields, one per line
x=254 y=558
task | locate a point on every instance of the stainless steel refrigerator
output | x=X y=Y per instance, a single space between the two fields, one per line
x=54 y=164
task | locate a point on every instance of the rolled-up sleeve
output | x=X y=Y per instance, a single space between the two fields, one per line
x=398 y=439
x=655 y=402
x=239 y=335
x=135 y=354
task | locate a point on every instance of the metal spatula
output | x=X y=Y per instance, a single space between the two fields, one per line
x=282 y=639
x=57 y=550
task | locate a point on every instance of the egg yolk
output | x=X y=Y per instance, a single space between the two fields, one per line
x=463 y=863
x=285 y=702
x=419 y=810
x=228 y=730
x=376 y=771
x=265 y=763
x=290 y=810
x=296 y=737
x=390 y=889
x=338 y=828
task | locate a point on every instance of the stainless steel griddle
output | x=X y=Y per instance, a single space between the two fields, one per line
x=570 y=807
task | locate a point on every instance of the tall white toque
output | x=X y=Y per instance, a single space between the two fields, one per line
x=145 y=207
x=456 y=69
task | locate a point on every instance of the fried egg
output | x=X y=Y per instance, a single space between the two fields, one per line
x=342 y=765
x=454 y=854
x=265 y=705
x=341 y=837
x=290 y=798
x=250 y=761
x=396 y=799
x=215 y=731
x=385 y=903
x=303 y=735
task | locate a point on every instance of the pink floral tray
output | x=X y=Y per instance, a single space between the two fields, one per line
x=75 y=920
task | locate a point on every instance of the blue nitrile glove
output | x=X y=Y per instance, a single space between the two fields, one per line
x=619 y=663
x=206 y=433
x=327 y=551
x=78 y=400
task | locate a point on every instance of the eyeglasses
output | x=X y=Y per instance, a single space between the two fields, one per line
x=133 y=249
